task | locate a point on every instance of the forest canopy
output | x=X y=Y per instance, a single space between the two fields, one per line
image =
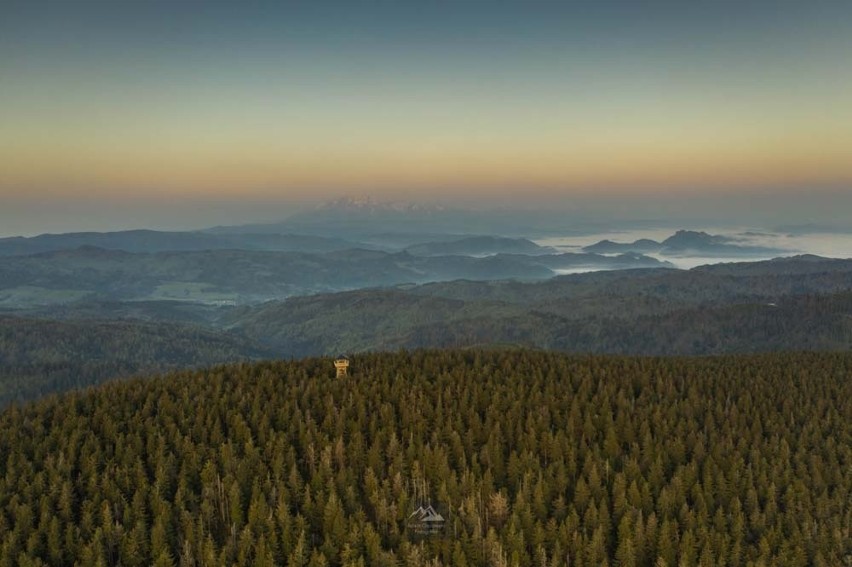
x=534 y=458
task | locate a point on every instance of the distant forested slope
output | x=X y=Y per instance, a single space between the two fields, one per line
x=389 y=319
x=533 y=458
x=791 y=304
x=39 y=357
x=250 y=276
x=800 y=303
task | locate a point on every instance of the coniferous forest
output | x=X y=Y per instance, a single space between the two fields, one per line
x=534 y=458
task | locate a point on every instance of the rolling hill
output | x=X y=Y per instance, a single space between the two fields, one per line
x=686 y=243
x=793 y=304
x=530 y=458
x=40 y=357
x=251 y=276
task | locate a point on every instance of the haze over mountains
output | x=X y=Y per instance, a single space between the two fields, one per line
x=249 y=276
x=367 y=217
x=685 y=243
x=360 y=275
x=157 y=241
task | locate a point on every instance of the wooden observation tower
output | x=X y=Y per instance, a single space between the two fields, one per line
x=341 y=364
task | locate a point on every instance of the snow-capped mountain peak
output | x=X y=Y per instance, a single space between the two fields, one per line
x=370 y=204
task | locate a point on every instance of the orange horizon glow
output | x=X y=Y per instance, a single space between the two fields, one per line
x=621 y=109
x=551 y=172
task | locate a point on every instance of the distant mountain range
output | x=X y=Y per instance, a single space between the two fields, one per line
x=366 y=223
x=479 y=246
x=422 y=244
x=799 y=303
x=158 y=241
x=361 y=218
x=250 y=276
x=360 y=275
x=685 y=243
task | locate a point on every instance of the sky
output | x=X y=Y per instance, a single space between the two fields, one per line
x=185 y=114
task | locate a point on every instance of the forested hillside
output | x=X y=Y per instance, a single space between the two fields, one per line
x=790 y=304
x=39 y=357
x=800 y=303
x=534 y=458
x=391 y=319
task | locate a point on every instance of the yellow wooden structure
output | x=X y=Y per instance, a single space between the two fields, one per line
x=341 y=364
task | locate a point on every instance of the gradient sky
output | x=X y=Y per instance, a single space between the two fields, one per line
x=177 y=114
